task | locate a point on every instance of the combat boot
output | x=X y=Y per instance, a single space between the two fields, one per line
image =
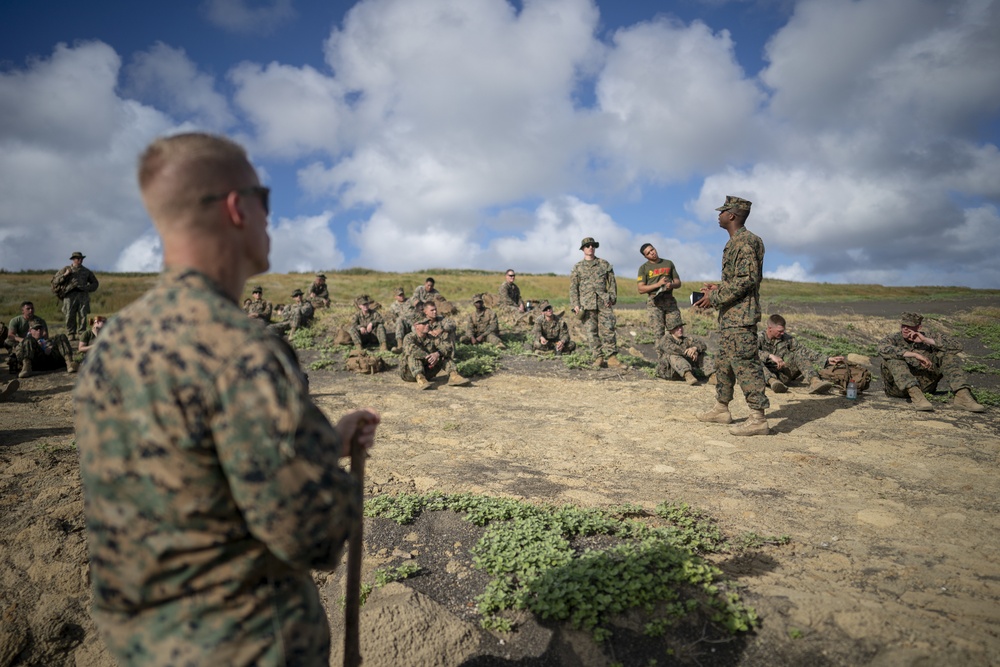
x=817 y=386
x=599 y=363
x=690 y=378
x=26 y=370
x=755 y=424
x=422 y=382
x=918 y=399
x=72 y=365
x=456 y=380
x=965 y=401
x=383 y=347
x=713 y=380
x=717 y=415
x=613 y=362
x=777 y=386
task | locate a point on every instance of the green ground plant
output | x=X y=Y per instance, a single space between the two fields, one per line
x=536 y=557
x=834 y=345
x=477 y=360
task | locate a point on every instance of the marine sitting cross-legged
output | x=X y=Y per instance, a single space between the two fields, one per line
x=211 y=480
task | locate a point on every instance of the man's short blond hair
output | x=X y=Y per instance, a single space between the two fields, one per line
x=177 y=172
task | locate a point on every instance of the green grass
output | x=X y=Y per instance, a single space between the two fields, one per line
x=832 y=346
x=654 y=563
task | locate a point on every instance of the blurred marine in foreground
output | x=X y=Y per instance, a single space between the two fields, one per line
x=211 y=480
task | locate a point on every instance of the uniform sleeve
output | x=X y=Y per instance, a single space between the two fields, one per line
x=612 y=285
x=493 y=324
x=92 y=282
x=891 y=347
x=279 y=454
x=574 y=288
x=763 y=353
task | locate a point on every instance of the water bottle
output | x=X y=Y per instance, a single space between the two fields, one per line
x=852 y=390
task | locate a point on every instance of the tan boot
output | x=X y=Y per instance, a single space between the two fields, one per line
x=690 y=378
x=717 y=415
x=383 y=347
x=817 y=386
x=777 y=386
x=72 y=365
x=599 y=363
x=713 y=380
x=422 y=382
x=614 y=363
x=26 y=370
x=965 y=401
x=918 y=399
x=456 y=380
x=755 y=424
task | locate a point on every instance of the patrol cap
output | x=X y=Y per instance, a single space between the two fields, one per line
x=362 y=300
x=737 y=203
x=78 y=255
x=423 y=320
x=672 y=321
x=589 y=241
x=399 y=291
x=35 y=323
x=257 y=289
x=477 y=298
x=911 y=319
x=545 y=305
x=297 y=292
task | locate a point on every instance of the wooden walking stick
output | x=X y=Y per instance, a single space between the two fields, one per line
x=352 y=599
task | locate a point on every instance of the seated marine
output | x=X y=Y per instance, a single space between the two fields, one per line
x=424 y=356
x=482 y=325
x=551 y=333
x=680 y=355
x=38 y=352
x=367 y=327
x=785 y=360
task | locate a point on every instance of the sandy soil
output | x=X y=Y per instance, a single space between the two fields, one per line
x=893 y=515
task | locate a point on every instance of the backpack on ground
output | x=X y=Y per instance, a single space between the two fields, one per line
x=843 y=372
x=359 y=361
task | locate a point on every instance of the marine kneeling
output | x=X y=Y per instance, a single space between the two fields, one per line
x=425 y=356
x=680 y=355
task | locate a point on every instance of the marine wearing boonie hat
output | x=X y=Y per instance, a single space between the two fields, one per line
x=911 y=319
x=257 y=289
x=362 y=300
x=589 y=241
x=737 y=203
x=78 y=255
x=297 y=292
x=399 y=291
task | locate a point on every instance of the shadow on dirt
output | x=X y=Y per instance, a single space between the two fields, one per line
x=16 y=437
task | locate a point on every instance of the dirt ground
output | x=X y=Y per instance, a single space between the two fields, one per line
x=893 y=515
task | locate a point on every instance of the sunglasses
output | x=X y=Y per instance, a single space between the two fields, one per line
x=589 y=245
x=37 y=328
x=510 y=275
x=263 y=193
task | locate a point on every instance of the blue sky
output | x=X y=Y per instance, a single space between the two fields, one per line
x=409 y=134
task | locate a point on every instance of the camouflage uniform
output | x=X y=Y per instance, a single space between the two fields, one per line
x=552 y=331
x=211 y=486
x=319 y=292
x=45 y=354
x=405 y=313
x=446 y=328
x=738 y=303
x=660 y=304
x=259 y=310
x=416 y=351
x=900 y=373
x=81 y=281
x=422 y=294
x=19 y=327
x=592 y=289
x=296 y=315
x=673 y=364
x=510 y=296
x=799 y=361
x=362 y=320
x=482 y=323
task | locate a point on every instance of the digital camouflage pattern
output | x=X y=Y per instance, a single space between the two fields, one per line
x=259 y=310
x=673 y=364
x=415 y=353
x=319 y=291
x=738 y=301
x=211 y=486
x=551 y=331
x=510 y=295
x=422 y=294
x=593 y=289
x=78 y=282
x=361 y=321
x=799 y=361
x=482 y=323
x=295 y=316
x=45 y=354
x=900 y=373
